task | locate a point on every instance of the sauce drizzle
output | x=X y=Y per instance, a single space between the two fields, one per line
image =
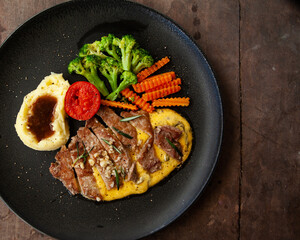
x=42 y=115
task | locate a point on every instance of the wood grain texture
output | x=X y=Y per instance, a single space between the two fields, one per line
x=270 y=82
x=253 y=48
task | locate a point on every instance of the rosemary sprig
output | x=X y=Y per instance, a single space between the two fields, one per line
x=84 y=155
x=130 y=118
x=122 y=133
x=104 y=140
x=117 y=179
x=174 y=146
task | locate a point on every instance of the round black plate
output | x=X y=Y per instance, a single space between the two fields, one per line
x=46 y=43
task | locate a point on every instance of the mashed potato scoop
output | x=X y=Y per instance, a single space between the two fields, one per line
x=41 y=123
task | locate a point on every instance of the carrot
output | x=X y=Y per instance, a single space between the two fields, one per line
x=160 y=93
x=153 y=82
x=119 y=104
x=137 y=100
x=170 y=102
x=169 y=84
x=148 y=71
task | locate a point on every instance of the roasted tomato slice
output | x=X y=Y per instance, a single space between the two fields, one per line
x=82 y=100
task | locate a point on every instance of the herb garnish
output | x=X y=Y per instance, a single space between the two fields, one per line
x=107 y=142
x=130 y=118
x=174 y=146
x=84 y=155
x=117 y=179
x=122 y=133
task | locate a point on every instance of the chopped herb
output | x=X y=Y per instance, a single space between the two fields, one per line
x=130 y=118
x=174 y=146
x=123 y=172
x=117 y=179
x=84 y=155
x=122 y=133
x=104 y=140
x=132 y=99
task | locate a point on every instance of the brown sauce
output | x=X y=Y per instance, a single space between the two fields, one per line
x=42 y=115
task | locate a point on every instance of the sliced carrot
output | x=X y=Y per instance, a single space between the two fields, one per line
x=119 y=104
x=160 y=93
x=137 y=100
x=175 y=82
x=154 y=82
x=170 y=102
x=148 y=71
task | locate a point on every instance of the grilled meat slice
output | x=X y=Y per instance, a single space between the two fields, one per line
x=63 y=171
x=146 y=155
x=112 y=120
x=98 y=156
x=162 y=133
x=83 y=170
x=115 y=149
x=150 y=162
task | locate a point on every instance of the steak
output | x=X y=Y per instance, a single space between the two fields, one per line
x=162 y=133
x=62 y=170
x=112 y=120
x=146 y=154
x=98 y=156
x=115 y=149
x=83 y=171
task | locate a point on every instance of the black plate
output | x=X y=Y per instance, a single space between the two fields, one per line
x=46 y=43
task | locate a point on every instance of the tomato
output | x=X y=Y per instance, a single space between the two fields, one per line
x=82 y=100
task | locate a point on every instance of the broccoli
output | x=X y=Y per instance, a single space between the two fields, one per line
x=126 y=45
x=87 y=67
x=140 y=59
x=128 y=78
x=111 y=68
x=106 y=45
x=91 y=49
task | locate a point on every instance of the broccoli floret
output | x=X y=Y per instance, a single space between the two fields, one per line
x=140 y=59
x=111 y=68
x=128 y=78
x=91 y=49
x=106 y=45
x=126 y=45
x=87 y=67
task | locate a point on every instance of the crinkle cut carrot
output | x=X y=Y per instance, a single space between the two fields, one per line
x=160 y=93
x=154 y=82
x=175 y=82
x=119 y=104
x=148 y=71
x=170 y=102
x=137 y=100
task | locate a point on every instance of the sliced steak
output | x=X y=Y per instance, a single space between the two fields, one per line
x=98 y=156
x=112 y=120
x=84 y=171
x=162 y=133
x=146 y=154
x=63 y=171
x=115 y=149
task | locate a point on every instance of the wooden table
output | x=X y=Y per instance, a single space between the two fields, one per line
x=253 y=48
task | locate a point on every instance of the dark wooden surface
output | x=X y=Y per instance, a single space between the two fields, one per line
x=253 y=48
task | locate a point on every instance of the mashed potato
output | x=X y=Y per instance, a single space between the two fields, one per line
x=53 y=86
